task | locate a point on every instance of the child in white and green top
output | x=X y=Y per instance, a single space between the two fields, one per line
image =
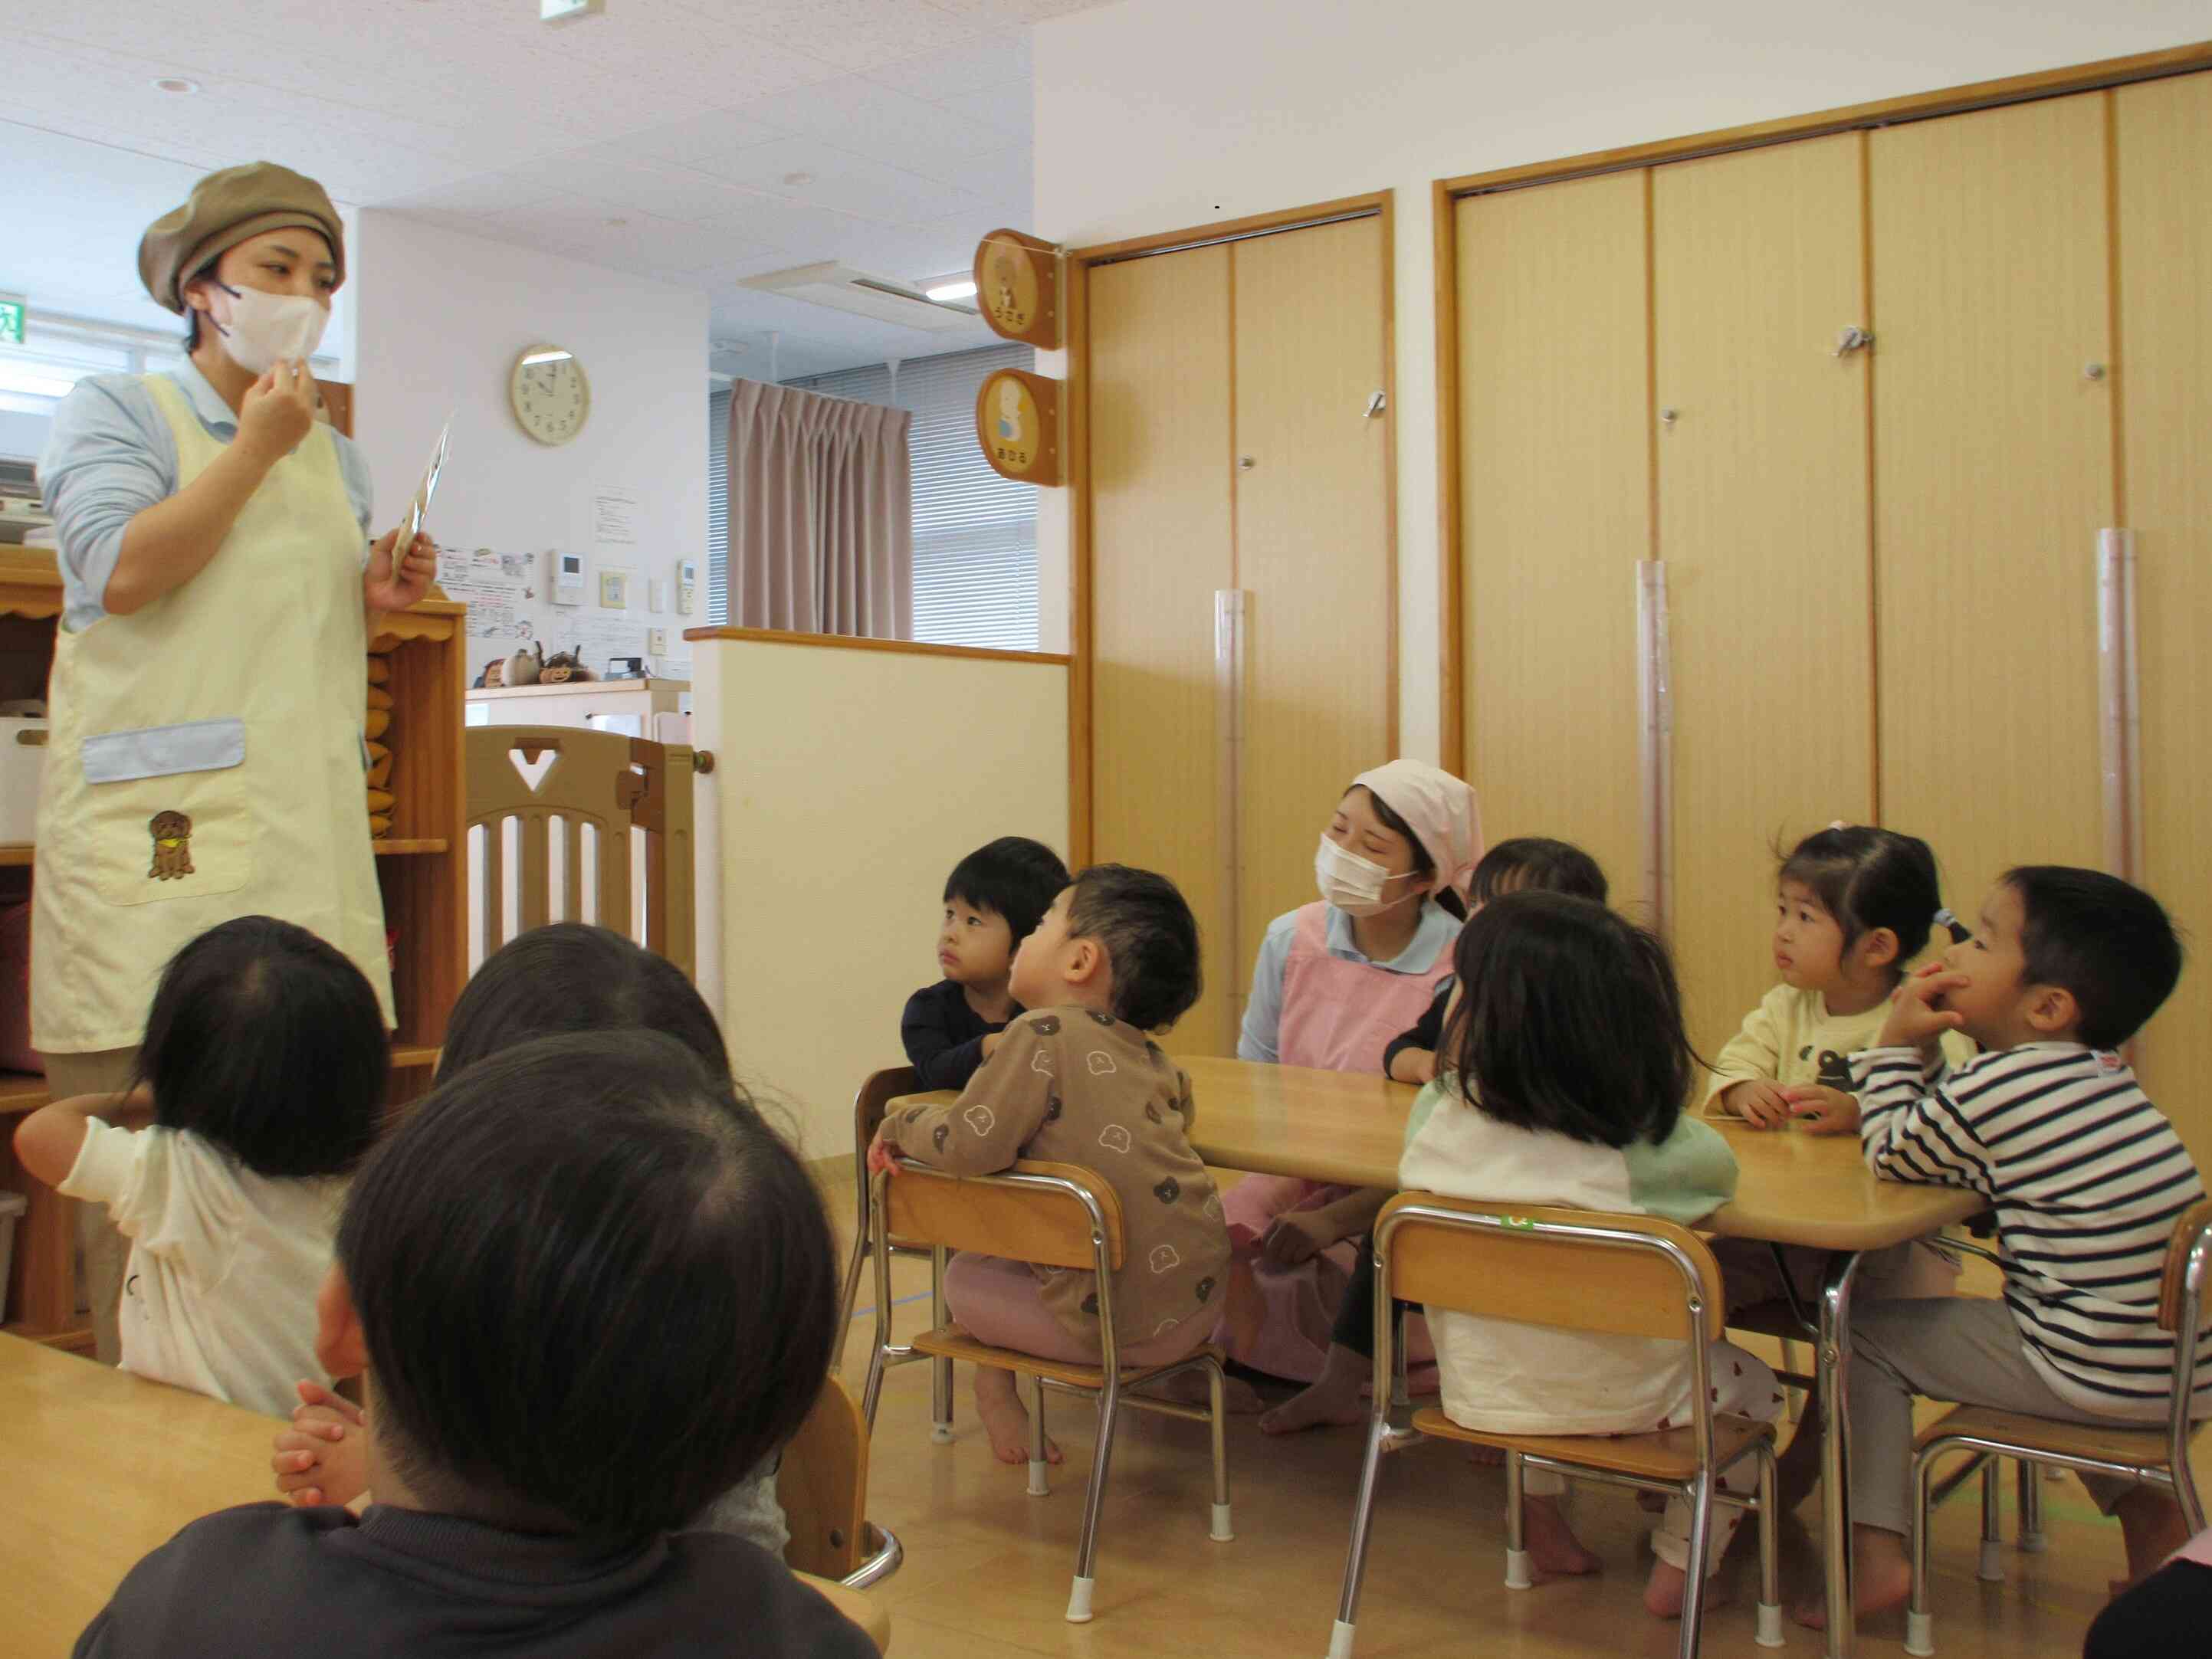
x=1562 y=1074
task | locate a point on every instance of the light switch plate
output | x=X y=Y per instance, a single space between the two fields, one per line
x=656 y=641
x=658 y=588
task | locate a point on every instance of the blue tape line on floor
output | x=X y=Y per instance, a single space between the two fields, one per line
x=897 y=1301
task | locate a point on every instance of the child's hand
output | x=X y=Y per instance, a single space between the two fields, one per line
x=1298 y=1236
x=323 y=1457
x=1913 y=1023
x=1758 y=1102
x=1823 y=1111
x=881 y=1157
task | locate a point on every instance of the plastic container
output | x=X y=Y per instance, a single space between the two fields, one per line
x=12 y=1206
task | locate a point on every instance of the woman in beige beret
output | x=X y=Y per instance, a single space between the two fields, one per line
x=206 y=758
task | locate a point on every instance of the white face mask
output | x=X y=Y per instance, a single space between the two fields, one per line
x=1353 y=885
x=264 y=329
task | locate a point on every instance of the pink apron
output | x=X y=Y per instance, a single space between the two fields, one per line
x=1338 y=1016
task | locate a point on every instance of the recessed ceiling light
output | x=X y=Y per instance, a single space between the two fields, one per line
x=175 y=83
x=797 y=178
x=963 y=289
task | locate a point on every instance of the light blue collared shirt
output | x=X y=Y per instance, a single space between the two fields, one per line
x=112 y=455
x=1263 y=1010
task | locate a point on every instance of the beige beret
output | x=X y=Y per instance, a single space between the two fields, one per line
x=228 y=207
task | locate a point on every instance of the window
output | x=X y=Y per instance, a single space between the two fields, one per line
x=975 y=532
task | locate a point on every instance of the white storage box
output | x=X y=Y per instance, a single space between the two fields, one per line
x=22 y=766
x=12 y=1206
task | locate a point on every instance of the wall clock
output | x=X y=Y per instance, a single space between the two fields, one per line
x=547 y=390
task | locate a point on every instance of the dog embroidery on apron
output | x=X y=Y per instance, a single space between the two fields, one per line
x=173 y=846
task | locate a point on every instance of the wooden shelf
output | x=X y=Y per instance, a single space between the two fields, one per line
x=14 y=854
x=412 y=1057
x=19 y=1091
x=394 y=847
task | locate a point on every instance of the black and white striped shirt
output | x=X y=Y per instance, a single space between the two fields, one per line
x=2087 y=1179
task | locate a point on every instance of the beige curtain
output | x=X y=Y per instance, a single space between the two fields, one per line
x=821 y=513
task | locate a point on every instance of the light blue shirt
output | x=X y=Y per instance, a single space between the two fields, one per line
x=112 y=455
x=1263 y=1010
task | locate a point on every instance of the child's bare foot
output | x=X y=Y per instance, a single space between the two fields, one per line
x=1332 y=1401
x=1881 y=1579
x=1005 y=1419
x=1553 y=1549
x=2152 y=1524
x=1667 y=1588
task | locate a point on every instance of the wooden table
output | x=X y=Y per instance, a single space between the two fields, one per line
x=1793 y=1189
x=99 y=1467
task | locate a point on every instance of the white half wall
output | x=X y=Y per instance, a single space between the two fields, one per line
x=847 y=782
x=1154 y=115
x=440 y=317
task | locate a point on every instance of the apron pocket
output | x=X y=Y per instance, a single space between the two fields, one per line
x=170 y=815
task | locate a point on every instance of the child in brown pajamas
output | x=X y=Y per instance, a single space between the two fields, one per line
x=1078 y=1081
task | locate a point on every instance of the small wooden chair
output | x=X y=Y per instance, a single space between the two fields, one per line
x=610 y=784
x=1623 y=1275
x=823 y=1485
x=2154 y=1457
x=1056 y=1215
x=869 y=1106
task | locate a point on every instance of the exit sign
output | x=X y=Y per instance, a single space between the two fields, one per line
x=11 y=322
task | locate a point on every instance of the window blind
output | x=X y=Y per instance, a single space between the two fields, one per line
x=718 y=505
x=975 y=532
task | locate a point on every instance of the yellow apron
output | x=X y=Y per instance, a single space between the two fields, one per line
x=205 y=758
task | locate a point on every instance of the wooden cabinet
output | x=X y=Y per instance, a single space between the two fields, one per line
x=1880 y=557
x=1242 y=610
x=418 y=866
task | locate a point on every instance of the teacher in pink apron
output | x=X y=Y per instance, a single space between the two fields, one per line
x=1335 y=980
x=205 y=760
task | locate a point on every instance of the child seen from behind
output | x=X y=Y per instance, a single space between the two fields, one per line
x=263 y=1076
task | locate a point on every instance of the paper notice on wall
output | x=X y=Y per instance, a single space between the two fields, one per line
x=494 y=585
x=596 y=641
x=614 y=517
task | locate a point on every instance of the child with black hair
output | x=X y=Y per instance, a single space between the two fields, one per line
x=541 y=1428
x=1854 y=905
x=1078 y=1081
x=263 y=1076
x=1518 y=865
x=994 y=900
x=567 y=979
x=1523 y=864
x=2087 y=1179
x=1565 y=1068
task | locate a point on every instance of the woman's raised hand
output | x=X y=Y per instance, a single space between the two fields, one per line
x=278 y=410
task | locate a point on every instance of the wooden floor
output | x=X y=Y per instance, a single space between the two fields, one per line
x=987 y=1566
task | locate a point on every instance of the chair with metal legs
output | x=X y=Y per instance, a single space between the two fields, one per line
x=2154 y=1457
x=1053 y=1215
x=1567 y=1270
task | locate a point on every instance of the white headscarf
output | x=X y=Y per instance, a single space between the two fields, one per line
x=1440 y=810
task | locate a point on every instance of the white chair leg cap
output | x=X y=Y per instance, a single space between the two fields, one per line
x=1037 y=1488
x=1919 y=1634
x=1339 y=1640
x=2033 y=1543
x=1079 y=1601
x=1222 y=1533
x=1991 y=1570
x=1520 y=1573
x=1769 y=1625
x=940 y=1434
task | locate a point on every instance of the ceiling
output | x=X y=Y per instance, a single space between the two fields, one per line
x=701 y=141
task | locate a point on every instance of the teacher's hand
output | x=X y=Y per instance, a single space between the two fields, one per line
x=386 y=588
x=277 y=411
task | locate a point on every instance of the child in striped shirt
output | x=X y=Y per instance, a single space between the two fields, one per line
x=2087 y=1179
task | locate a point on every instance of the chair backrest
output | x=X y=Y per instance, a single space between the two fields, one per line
x=1027 y=1214
x=877 y=1092
x=597 y=781
x=823 y=1485
x=2174 y=1285
x=1623 y=1275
